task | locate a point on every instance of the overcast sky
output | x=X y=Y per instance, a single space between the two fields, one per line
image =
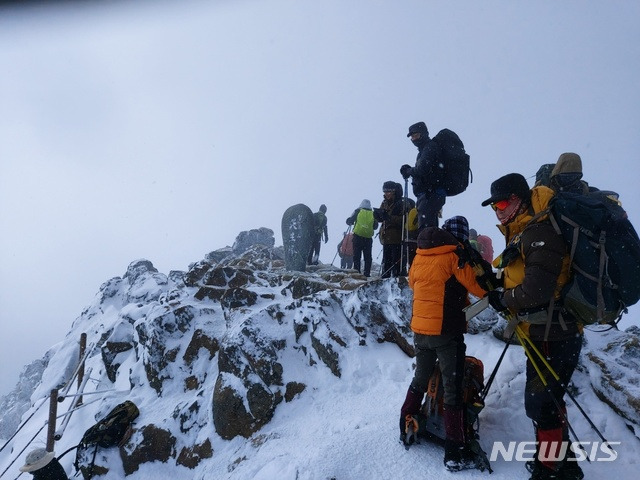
x=163 y=130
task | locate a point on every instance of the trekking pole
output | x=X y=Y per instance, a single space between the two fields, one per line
x=388 y=269
x=492 y=377
x=403 y=239
x=556 y=377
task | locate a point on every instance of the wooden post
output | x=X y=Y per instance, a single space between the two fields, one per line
x=53 y=413
x=83 y=347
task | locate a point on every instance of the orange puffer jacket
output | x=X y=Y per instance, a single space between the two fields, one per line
x=440 y=288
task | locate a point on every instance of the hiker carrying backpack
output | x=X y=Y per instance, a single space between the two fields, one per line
x=319 y=231
x=364 y=224
x=442 y=169
x=113 y=430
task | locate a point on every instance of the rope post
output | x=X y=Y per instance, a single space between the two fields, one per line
x=53 y=413
x=83 y=347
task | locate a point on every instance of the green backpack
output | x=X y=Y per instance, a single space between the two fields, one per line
x=364 y=223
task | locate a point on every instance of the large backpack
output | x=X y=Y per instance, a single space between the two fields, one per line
x=605 y=255
x=346 y=246
x=543 y=175
x=457 y=171
x=431 y=420
x=113 y=430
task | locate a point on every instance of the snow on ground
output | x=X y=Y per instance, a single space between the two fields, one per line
x=346 y=428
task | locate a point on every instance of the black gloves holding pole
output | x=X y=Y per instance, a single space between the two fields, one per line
x=496 y=300
x=406 y=171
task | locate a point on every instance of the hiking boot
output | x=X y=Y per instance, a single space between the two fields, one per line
x=570 y=471
x=411 y=406
x=540 y=472
x=458 y=457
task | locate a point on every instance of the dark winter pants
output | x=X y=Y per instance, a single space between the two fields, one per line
x=428 y=205
x=563 y=357
x=346 y=261
x=450 y=351
x=362 y=246
x=391 y=260
x=314 y=253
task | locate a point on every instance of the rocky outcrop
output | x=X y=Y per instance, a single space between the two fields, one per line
x=218 y=349
x=612 y=359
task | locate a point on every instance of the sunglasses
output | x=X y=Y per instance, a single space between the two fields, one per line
x=501 y=205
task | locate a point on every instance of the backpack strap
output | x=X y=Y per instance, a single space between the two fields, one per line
x=552 y=304
x=602 y=260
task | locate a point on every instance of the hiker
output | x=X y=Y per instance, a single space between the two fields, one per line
x=535 y=268
x=473 y=240
x=486 y=247
x=566 y=175
x=412 y=234
x=390 y=216
x=440 y=292
x=43 y=465
x=364 y=225
x=319 y=229
x=427 y=176
x=345 y=251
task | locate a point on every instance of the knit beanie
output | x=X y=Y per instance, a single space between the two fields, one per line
x=457 y=226
x=389 y=186
x=366 y=204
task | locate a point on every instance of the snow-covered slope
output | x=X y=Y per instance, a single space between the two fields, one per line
x=320 y=363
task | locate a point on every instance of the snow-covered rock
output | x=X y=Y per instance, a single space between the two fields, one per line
x=237 y=359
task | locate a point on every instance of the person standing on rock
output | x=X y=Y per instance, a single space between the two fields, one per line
x=364 y=224
x=391 y=215
x=427 y=176
x=319 y=230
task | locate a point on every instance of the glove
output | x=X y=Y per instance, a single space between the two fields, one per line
x=496 y=300
x=488 y=281
x=405 y=171
x=326 y=239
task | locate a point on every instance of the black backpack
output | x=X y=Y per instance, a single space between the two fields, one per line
x=605 y=255
x=457 y=170
x=113 y=430
x=543 y=175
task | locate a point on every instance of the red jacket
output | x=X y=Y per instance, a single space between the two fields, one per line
x=440 y=288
